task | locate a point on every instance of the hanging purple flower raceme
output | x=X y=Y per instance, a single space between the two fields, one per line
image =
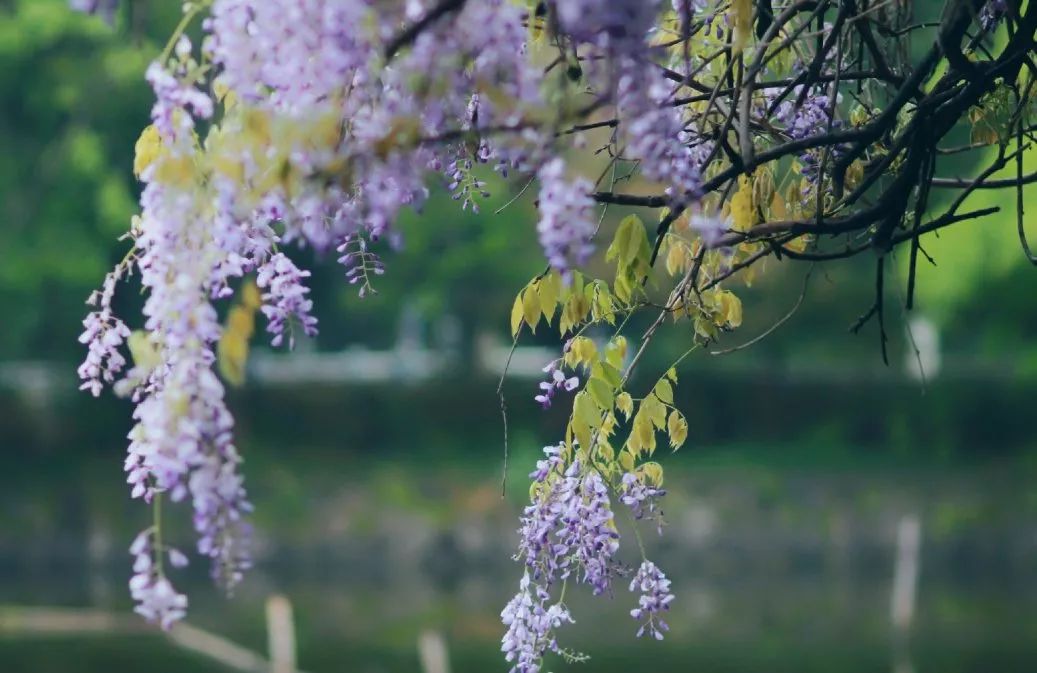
x=103 y=335
x=284 y=299
x=654 y=600
x=177 y=102
x=654 y=131
x=157 y=600
x=805 y=114
x=531 y=626
x=360 y=262
x=709 y=227
x=290 y=54
x=568 y=531
x=565 y=228
x=569 y=528
x=586 y=536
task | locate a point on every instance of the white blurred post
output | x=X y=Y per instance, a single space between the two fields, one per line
x=280 y=629
x=905 y=576
x=432 y=652
x=905 y=589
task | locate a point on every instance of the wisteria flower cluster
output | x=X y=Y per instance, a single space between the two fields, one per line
x=156 y=598
x=655 y=599
x=807 y=113
x=565 y=228
x=323 y=120
x=316 y=123
x=568 y=531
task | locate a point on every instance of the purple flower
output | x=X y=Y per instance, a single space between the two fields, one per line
x=104 y=8
x=552 y=463
x=992 y=13
x=607 y=22
x=530 y=627
x=556 y=381
x=654 y=131
x=285 y=299
x=810 y=117
x=565 y=228
x=710 y=227
x=104 y=334
x=177 y=101
x=360 y=262
x=157 y=600
x=654 y=600
x=569 y=527
x=638 y=495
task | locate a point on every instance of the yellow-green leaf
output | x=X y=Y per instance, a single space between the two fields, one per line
x=677 y=428
x=742 y=215
x=625 y=403
x=581 y=351
x=531 y=307
x=616 y=351
x=675 y=259
x=644 y=432
x=731 y=307
x=144 y=353
x=601 y=392
x=741 y=14
x=654 y=410
x=626 y=460
x=611 y=375
x=585 y=409
x=549 y=289
x=516 y=315
x=653 y=472
x=664 y=391
x=623 y=242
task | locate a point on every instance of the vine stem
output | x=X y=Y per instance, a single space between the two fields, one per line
x=185 y=21
x=156 y=508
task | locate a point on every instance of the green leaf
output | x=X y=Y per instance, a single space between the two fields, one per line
x=585 y=409
x=610 y=374
x=621 y=242
x=624 y=286
x=634 y=235
x=616 y=351
x=601 y=392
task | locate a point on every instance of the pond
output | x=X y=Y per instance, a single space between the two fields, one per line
x=774 y=570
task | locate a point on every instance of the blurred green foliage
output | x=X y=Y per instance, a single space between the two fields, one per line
x=74 y=101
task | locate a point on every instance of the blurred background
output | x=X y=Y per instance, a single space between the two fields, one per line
x=813 y=476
